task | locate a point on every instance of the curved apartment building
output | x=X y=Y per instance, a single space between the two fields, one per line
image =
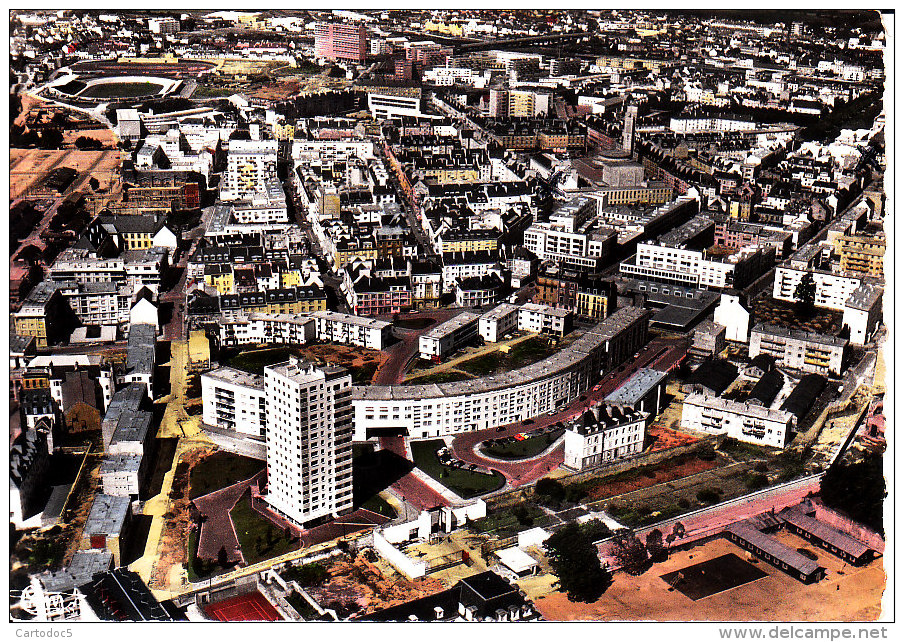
x=434 y=410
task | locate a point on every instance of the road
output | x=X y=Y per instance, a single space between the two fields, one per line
x=661 y=354
x=392 y=371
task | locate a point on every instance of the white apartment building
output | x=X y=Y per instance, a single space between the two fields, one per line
x=121 y=474
x=807 y=351
x=448 y=76
x=234 y=400
x=863 y=313
x=268 y=205
x=498 y=322
x=382 y=106
x=309 y=440
x=248 y=166
x=737 y=419
x=832 y=290
x=604 y=433
x=691 y=268
x=448 y=336
x=351 y=330
x=434 y=410
x=544 y=319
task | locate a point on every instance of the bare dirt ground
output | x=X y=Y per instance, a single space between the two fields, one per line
x=366 y=584
x=27 y=167
x=847 y=594
x=177 y=520
x=662 y=473
x=663 y=437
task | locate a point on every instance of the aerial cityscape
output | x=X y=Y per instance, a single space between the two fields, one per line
x=448 y=315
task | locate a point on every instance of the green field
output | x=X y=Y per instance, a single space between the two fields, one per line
x=464 y=483
x=220 y=470
x=208 y=91
x=445 y=376
x=259 y=539
x=523 y=353
x=530 y=447
x=122 y=90
x=254 y=361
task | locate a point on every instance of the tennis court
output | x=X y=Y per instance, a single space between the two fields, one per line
x=251 y=607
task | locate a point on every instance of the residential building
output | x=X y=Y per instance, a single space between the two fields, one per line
x=863 y=313
x=435 y=410
x=234 y=400
x=108 y=526
x=644 y=391
x=739 y=420
x=603 y=433
x=340 y=42
x=807 y=351
x=449 y=336
x=309 y=441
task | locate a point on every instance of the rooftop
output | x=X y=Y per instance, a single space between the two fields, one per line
x=236 y=377
x=452 y=325
x=800 y=335
x=637 y=387
x=107 y=516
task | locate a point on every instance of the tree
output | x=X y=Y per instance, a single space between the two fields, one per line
x=856 y=489
x=222 y=558
x=575 y=561
x=522 y=514
x=630 y=552
x=805 y=294
x=655 y=548
x=550 y=489
x=85 y=142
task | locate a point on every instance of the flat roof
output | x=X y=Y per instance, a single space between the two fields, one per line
x=637 y=386
x=801 y=335
x=107 y=516
x=236 y=377
x=452 y=325
x=501 y=310
x=351 y=319
x=133 y=425
x=123 y=463
x=516 y=559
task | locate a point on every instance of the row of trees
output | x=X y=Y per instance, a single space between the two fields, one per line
x=575 y=560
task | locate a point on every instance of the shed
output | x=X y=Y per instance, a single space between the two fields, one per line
x=517 y=561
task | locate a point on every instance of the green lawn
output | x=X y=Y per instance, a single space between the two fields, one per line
x=446 y=376
x=521 y=354
x=485 y=364
x=379 y=505
x=530 y=447
x=254 y=361
x=259 y=539
x=220 y=470
x=464 y=483
x=363 y=374
x=122 y=90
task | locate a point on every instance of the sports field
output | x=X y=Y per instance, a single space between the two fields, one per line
x=121 y=90
x=713 y=576
x=251 y=607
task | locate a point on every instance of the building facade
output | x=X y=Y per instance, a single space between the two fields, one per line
x=309 y=440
